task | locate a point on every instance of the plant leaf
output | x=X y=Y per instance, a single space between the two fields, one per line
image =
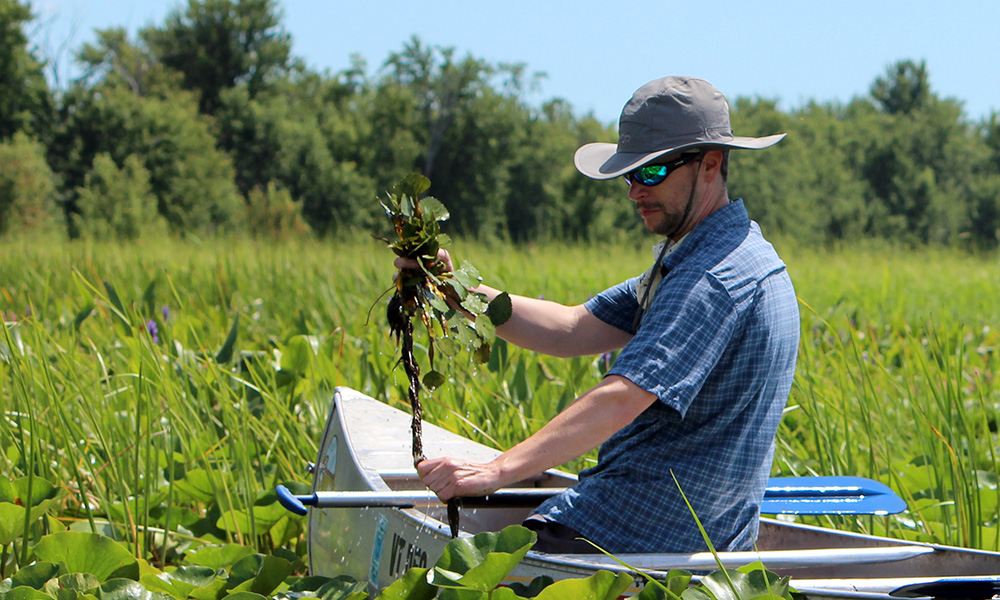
x=602 y=585
x=88 y=553
x=500 y=309
x=225 y=353
x=411 y=586
x=482 y=562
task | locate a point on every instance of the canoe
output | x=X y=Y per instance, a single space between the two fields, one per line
x=365 y=448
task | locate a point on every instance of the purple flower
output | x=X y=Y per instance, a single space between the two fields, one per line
x=154 y=330
x=166 y=312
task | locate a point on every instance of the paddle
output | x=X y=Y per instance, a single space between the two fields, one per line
x=784 y=495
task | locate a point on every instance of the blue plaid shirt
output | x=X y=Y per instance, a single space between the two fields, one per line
x=717 y=348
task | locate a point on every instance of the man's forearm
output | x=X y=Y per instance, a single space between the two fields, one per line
x=556 y=329
x=587 y=423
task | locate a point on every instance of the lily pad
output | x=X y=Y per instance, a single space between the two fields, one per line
x=217 y=556
x=412 y=585
x=181 y=582
x=602 y=585
x=91 y=553
x=127 y=589
x=481 y=562
x=35 y=575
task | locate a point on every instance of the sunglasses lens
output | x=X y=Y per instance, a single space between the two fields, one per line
x=654 y=174
x=648 y=175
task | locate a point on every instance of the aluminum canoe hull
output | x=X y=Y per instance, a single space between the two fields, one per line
x=366 y=447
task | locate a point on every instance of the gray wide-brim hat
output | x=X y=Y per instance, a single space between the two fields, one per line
x=663 y=117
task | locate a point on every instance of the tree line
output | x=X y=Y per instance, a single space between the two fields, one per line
x=208 y=124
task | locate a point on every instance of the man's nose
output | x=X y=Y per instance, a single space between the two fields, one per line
x=636 y=191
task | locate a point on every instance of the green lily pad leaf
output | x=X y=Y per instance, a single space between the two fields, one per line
x=25 y=593
x=88 y=553
x=482 y=562
x=759 y=578
x=197 y=485
x=213 y=591
x=264 y=517
x=343 y=588
x=433 y=209
x=259 y=574
x=78 y=582
x=35 y=575
x=41 y=490
x=297 y=355
x=433 y=380
x=11 y=522
x=127 y=589
x=286 y=529
x=736 y=585
x=245 y=596
x=411 y=586
x=500 y=309
x=180 y=582
x=217 y=556
x=602 y=585
x=532 y=588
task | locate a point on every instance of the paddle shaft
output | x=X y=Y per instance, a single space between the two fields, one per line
x=794 y=495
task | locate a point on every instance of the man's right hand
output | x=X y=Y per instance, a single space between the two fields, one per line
x=450 y=477
x=408 y=263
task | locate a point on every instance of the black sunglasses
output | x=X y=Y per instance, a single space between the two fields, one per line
x=656 y=174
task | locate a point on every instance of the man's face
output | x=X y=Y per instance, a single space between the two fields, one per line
x=663 y=206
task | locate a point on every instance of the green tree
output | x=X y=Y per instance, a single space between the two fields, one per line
x=919 y=161
x=441 y=86
x=25 y=100
x=219 y=44
x=191 y=179
x=27 y=189
x=271 y=213
x=299 y=138
x=117 y=203
x=115 y=60
x=904 y=88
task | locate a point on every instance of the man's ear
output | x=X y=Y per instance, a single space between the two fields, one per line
x=711 y=164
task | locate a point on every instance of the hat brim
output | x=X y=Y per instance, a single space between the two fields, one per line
x=603 y=161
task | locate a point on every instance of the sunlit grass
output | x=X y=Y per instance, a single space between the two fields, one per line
x=149 y=420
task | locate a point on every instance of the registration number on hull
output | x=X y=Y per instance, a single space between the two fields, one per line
x=403 y=555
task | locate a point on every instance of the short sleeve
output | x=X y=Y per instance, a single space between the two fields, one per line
x=616 y=306
x=682 y=337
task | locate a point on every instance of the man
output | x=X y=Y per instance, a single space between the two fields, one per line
x=708 y=340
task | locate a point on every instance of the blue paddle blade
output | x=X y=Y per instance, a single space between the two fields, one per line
x=830 y=496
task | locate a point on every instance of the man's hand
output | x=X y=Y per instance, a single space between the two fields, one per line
x=450 y=477
x=408 y=263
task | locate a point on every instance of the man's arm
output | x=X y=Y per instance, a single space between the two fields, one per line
x=587 y=423
x=556 y=329
x=548 y=327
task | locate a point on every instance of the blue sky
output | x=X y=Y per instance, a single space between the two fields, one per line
x=595 y=55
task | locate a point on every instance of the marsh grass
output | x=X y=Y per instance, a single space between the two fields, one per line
x=166 y=388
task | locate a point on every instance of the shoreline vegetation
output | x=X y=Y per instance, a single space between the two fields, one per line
x=195 y=377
